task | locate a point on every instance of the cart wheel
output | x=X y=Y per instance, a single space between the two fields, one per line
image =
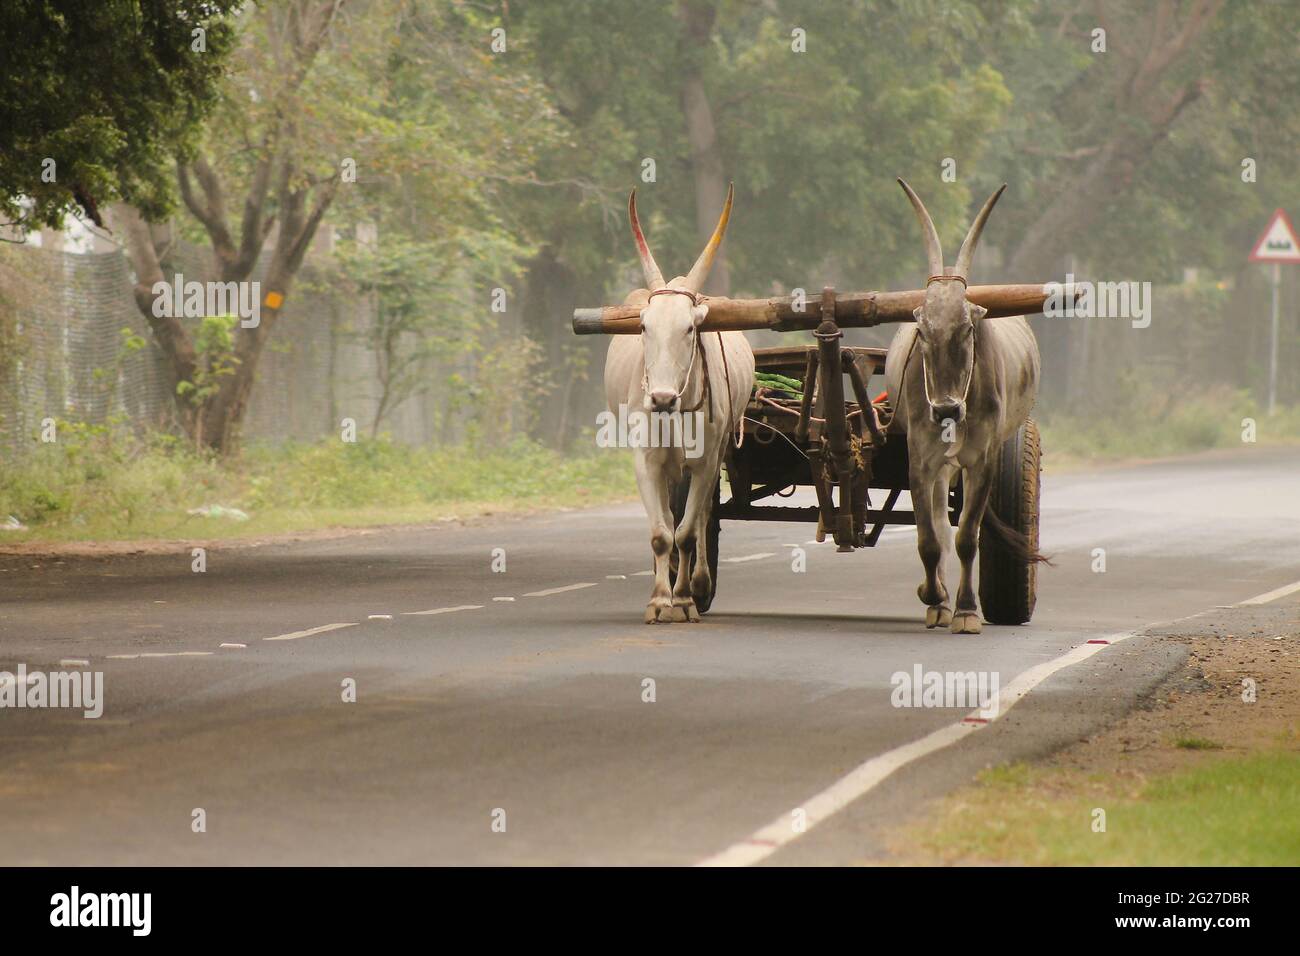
x=1008 y=585
x=702 y=601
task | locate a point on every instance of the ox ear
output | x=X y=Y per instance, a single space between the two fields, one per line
x=977 y=312
x=699 y=312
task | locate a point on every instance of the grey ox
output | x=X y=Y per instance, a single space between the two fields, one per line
x=672 y=369
x=962 y=385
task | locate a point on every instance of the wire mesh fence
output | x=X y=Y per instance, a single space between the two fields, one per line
x=63 y=354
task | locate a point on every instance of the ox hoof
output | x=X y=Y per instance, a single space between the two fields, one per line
x=657 y=613
x=692 y=613
x=966 y=622
x=937 y=616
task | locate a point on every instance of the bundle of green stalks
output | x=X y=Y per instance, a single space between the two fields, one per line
x=778 y=383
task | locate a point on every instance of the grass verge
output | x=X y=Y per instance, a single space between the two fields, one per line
x=1234 y=812
x=1203 y=776
x=1153 y=424
x=101 y=484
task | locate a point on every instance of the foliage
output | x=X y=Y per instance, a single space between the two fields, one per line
x=1144 y=420
x=812 y=140
x=109 y=91
x=418 y=290
x=1190 y=113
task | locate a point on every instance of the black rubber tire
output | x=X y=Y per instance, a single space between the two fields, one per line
x=702 y=601
x=1009 y=585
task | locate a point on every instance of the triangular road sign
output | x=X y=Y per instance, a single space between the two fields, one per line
x=1279 y=242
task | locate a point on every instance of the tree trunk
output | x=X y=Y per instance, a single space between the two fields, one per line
x=550 y=295
x=223 y=414
x=707 y=166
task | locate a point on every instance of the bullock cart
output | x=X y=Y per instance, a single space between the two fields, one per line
x=840 y=441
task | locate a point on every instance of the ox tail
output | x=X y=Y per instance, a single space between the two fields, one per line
x=1013 y=541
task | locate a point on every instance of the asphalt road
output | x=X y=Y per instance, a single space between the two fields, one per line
x=529 y=700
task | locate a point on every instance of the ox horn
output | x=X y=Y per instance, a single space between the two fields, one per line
x=933 y=251
x=962 y=268
x=654 y=279
x=700 y=271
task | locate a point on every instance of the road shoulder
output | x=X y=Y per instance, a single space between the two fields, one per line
x=1200 y=771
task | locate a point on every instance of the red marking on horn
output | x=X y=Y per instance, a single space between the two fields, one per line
x=653 y=277
x=637 y=234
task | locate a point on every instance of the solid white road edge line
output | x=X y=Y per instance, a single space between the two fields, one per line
x=866 y=776
x=1273 y=595
x=310 y=632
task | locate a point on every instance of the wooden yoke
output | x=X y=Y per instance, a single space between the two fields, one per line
x=852 y=310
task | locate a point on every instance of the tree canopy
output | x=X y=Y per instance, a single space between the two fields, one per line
x=100 y=97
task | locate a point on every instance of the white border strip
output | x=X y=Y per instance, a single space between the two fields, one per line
x=1272 y=595
x=866 y=776
x=857 y=782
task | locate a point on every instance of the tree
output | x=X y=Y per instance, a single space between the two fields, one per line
x=98 y=96
x=717 y=90
x=399 y=92
x=1130 y=158
x=288 y=189
x=417 y=291
x=1127 y=162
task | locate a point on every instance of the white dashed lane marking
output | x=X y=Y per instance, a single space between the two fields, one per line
x=567 y=587
x=443 y=610
x=135 y=657
x=310 y=632
x=749 y=557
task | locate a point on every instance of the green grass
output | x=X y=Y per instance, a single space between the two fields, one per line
x=1228 y=812
x=1196 y=743
x=97 y=483
x=1148 y=423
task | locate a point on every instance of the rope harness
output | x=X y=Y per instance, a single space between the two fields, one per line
x=706 y=392
x=925 y=375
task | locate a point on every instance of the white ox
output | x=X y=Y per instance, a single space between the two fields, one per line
x=672 y=368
